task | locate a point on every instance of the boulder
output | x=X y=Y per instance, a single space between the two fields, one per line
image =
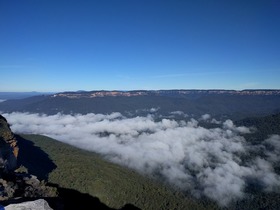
x=39 y=204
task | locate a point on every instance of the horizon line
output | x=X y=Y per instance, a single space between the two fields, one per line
x=118 y=90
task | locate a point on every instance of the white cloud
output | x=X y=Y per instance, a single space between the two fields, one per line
x=206 y=117
x=179 y=113
x=205 y=162
x=273 y=152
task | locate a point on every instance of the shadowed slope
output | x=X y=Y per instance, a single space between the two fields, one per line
x=35 y=159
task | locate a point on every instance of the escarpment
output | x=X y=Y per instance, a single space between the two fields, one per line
x=15 y=181
x=8 y=148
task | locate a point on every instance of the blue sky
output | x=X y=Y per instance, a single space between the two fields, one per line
x=61 y=45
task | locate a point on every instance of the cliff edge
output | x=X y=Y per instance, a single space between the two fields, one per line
x=8 y=148
x=15 y=182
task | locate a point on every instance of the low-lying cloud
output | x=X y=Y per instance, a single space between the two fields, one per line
x=204 y=162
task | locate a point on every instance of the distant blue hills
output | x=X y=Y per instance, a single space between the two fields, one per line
x=21 y=95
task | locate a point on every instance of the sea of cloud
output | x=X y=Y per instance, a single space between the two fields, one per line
x=204 y=162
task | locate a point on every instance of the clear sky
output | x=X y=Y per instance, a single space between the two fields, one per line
x=60 y=45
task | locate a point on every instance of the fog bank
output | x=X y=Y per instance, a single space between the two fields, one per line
x=204 y=162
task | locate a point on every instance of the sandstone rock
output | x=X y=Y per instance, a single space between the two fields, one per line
x=39 y=204
x=17 y=183
x=8 y=148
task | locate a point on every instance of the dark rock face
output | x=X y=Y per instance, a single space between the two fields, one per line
x=24 y=185
x=8 y=148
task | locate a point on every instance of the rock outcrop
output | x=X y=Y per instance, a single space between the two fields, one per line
x=8 y=148
x=16 y=182
x=39 y=204
x=24 y=185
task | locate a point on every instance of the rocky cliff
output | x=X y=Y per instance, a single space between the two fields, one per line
x=8 y=148
x=15 y=182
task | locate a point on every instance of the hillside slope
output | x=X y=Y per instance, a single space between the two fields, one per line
x=114 y=185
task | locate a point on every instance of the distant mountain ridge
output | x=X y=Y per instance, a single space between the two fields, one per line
x=220 y=104
x=20 y=95
x=175 y=92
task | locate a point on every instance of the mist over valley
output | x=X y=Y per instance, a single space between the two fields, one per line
x=205 y=156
